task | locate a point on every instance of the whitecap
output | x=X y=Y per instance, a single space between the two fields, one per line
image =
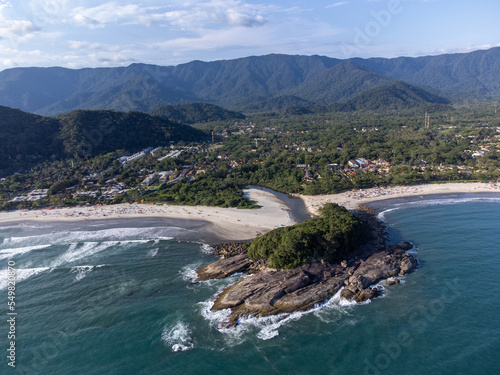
x=8 y=253
x=126 y=235
x=381 y=215
x=442 y=201
x=189 y=273
x=219 y=319
x=268 y=326
x=21 y=274
x=207 y=249
x=81 y=271
x=77 y=252
x=178 y=337
x=152 y=253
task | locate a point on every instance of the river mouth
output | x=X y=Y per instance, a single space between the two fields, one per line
x=297 y=207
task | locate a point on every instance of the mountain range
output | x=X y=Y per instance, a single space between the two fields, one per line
x=257 y=83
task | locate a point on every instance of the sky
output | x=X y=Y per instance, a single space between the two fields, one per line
x=89 y=33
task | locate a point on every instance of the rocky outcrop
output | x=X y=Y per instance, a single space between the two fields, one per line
x=270 y=291
x=273 y=291
x=229 y=266
x=229 y=249
x=379 y=266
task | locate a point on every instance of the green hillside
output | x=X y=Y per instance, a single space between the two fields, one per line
x=195 y=113
x=27 y=139
x=396 y=95
x=97 y=132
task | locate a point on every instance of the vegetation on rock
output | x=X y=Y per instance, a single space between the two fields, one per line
x=333 y=236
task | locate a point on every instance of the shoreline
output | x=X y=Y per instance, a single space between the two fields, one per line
x=215 y=224
x=355 y=198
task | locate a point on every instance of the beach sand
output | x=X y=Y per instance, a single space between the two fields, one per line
x=232 y=224
x=352 y=199
x=226 y=224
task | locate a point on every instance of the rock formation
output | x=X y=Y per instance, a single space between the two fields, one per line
x=269 y=291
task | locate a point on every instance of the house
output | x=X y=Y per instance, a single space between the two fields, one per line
x=352 y=164
x=164 y=176
x=363 y=163
x=308 y=176
x=151 y=179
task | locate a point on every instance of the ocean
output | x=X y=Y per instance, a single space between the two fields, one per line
x=118 y=297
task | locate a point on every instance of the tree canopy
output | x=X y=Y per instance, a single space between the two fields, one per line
x=333 y=236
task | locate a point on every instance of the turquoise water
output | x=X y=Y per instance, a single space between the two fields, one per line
x=120 y=300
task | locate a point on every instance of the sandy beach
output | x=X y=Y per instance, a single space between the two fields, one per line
x=354 y=198
x=229 y=224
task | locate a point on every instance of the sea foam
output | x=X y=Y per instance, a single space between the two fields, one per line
x=8 y=253
x=21 y=275
x=83 y=271
x=268 y=326
x=442 y=201
x=77 y=252
x=132 y=235
x=178 y=337
x=152 y=253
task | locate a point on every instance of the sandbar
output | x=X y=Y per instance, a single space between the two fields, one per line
x=353 y=199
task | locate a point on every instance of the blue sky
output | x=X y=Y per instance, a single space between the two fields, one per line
x=88 y=33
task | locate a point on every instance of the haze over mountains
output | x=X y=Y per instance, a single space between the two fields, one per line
x=261 y=83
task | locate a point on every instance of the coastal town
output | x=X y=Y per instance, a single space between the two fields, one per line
x=283 y=155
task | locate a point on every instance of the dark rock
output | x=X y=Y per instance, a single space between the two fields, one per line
x=347 y=294
x=227 y=250
x=381 y=265
x=224 y=268
x=405 y=246
x=408 y=264
x=284 y=291
x=365 y=295
x=394 y=281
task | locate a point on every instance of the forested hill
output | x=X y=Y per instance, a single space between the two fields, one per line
x=475 y=74
x=98 y=132
x=195 y=113
x=27 y=139
x=394 y=96
x=247 y=82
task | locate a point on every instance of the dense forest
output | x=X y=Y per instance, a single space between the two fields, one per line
x=27 y=140
x=250 y=84
x=195 y=113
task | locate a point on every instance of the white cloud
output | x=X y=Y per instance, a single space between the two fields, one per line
x=335 y=5
x=15 y=29
x=89 y=46
x=291 y=36
x=101 y=15
x=70 y=58
x=186 y=16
